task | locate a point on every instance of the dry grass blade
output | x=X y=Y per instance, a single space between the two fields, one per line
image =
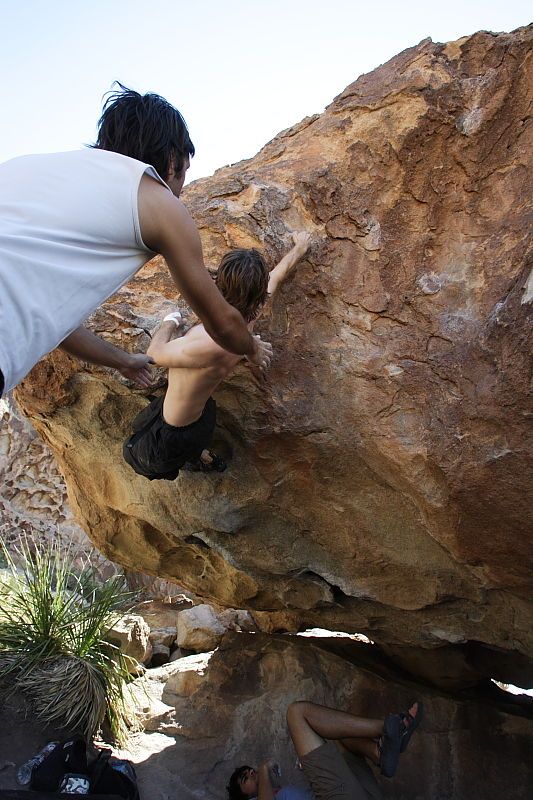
x=54 y=620
x=68 y=692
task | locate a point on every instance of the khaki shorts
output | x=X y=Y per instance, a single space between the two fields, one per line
x=337 y=776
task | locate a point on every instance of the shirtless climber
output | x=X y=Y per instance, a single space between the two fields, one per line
x=177 y=429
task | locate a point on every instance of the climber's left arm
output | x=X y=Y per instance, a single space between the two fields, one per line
x=86 y=345
x=302 y=241
x=171 y=327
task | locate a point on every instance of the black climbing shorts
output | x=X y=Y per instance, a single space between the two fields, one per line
x=158 y=450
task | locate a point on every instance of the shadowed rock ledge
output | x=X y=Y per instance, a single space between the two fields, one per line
x=379 y=481
x=208 y=713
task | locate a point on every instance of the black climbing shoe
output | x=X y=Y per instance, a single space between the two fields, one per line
x=216 y=464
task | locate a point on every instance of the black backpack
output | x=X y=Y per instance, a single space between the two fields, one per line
x=68 y=760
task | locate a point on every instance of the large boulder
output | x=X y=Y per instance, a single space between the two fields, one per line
x=206 y=714
x=199 y=629
x=132 y=635
x=379 y=481
x=228 y=708
x=163 y=636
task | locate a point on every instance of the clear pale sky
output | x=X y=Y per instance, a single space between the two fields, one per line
x=239 y=70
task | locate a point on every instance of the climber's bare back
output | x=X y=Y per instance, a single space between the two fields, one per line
x=189 y=388
x=196 y=363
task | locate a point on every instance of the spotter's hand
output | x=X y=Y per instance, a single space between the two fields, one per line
x=138 y=369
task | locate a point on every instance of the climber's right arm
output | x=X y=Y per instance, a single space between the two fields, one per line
x=302 y=242
x=168 y=228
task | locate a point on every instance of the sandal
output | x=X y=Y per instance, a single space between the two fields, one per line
x=407 y=730
x=389 y=745
x=216 y=464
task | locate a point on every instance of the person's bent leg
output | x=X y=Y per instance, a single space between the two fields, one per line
x=309 y=724
x=362 y=747
x=326 y=768
x=304 y=737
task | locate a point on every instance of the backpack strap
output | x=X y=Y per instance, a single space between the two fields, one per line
x=99 y=766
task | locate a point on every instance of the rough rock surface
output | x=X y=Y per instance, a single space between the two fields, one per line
x=234 y=619
x=207 y=714
x=132 y=634
x=199 y=629
x=158 y=614
x=164 y=636
x=33 y=498
x=379 y=481
x=33 y=502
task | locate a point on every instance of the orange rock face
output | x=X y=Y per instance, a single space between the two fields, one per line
x=379 y=481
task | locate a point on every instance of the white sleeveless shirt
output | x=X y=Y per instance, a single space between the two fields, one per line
x=69 y=238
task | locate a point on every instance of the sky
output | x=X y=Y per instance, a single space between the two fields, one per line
x=240 y=71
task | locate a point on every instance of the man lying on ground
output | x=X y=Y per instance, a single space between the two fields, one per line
x=178 y=428
x=75 y=226
x=334 y=769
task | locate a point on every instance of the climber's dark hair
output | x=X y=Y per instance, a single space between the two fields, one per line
x=234 y=786
x=145 y=127
x=242 y=279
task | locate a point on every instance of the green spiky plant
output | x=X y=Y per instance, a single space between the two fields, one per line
x=54 y=620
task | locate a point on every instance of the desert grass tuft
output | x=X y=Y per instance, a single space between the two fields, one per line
x=54 y=621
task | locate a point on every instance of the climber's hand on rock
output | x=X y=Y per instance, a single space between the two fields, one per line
x=138 y=369
x=302 y=240
x=262 y=353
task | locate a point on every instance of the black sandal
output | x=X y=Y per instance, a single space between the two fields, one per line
x=389 y=745
x=216 y=464
x=407 y=730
